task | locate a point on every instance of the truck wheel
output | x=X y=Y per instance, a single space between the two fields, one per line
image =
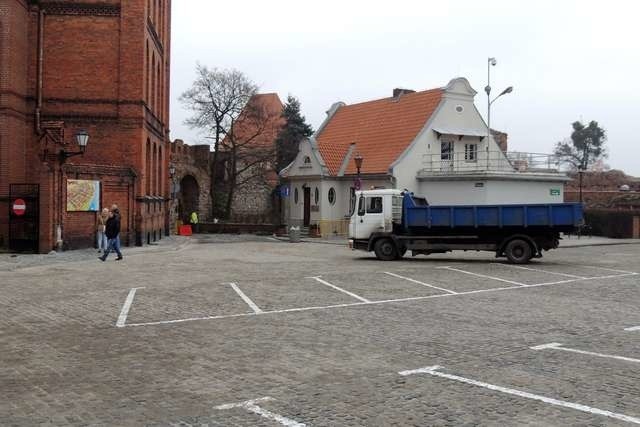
x=518 y=251
x=385 y=250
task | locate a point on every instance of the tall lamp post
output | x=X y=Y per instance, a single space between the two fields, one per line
x=358 y=159
x=491 y=62
x=580 y=173
x=358 y=183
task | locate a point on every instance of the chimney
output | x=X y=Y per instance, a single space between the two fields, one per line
x=397 y=92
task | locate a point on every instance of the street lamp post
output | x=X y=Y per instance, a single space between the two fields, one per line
x=580 y=173
x=491 y=62
x=358 y=183
x=358 y=159
x=82 y=139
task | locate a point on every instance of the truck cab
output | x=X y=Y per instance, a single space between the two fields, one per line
x=376 y=211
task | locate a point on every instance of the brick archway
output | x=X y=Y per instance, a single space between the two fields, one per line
x=189 y=197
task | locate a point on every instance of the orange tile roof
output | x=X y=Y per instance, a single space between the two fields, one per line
x=381 y=129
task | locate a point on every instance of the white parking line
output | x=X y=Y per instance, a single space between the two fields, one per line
x=419 y=282
x=251 y=406
x=558 y=346
x=607 y=269
x=633 y=328
x=246 y=299
x=122 y=318
x=539 y=270
x=433 y=370
x=324 y=282
x=367 y=302
x=482 y=275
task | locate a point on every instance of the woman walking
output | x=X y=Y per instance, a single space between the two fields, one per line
x=101 y=225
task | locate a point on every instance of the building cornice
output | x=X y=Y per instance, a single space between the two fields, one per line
x=80 y=9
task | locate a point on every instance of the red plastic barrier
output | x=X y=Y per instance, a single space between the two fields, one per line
x=185 y=230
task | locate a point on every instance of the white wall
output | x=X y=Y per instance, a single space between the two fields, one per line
x=509 y=192
x=489 y=192
x=425 y=150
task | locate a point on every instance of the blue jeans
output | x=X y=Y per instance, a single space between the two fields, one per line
x=102 y=240
x=113 y=245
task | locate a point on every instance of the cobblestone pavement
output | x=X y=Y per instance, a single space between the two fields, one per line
x=238 y=331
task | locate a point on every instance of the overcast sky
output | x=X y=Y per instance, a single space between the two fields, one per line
x=567 y=60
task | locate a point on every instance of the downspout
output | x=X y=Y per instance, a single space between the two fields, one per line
x=40 y=68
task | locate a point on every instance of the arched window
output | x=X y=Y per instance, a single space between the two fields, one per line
x=158 y=88
x=307 y=160
x=295 y=195
x=148 y=77
x=316 y=196
x=153 y=82
x=148 y=166
x=154 y=168
x=159 y=171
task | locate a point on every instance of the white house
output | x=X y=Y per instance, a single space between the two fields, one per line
x=432 y=142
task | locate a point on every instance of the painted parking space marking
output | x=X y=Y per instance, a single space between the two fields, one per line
x=365 y=302
x=324 y=282
x=122 y=318
x=252 y=406
x=434 y=371
x=419 y=282
x=607 y=269
x=633 y=328
x=558 y=346
x=539 y=270
x=482 y=275
x=246 y=299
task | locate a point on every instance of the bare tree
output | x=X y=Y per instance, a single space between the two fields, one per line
x=216 y=99
x=250 y=149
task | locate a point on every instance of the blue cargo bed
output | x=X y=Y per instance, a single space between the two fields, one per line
x=557 y=215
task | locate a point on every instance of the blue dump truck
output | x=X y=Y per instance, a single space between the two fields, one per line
x=392 y=222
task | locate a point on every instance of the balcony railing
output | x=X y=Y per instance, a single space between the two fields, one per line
x=488 y=161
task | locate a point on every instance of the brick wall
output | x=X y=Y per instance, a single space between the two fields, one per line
x=96 y=76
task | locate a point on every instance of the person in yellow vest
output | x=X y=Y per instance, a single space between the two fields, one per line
x=193 y=219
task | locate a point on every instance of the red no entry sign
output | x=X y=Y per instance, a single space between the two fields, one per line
x=19 y=206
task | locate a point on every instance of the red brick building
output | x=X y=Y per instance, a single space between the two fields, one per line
x=99 y=66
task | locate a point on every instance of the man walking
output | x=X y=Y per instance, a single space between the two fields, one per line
x=112 y=232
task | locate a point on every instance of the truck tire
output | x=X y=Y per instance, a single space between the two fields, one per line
x=385 y=250
x=518 y=251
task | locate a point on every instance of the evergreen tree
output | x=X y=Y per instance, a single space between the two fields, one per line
x=585 y=147
x=294 y=131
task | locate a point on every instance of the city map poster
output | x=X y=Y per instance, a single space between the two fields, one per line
x=83 y=195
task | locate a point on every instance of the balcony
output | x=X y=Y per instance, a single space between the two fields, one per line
x=484 y=162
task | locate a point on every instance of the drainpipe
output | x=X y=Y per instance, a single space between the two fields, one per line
x=40 y=67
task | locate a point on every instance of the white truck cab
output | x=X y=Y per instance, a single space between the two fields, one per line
x=375 y=211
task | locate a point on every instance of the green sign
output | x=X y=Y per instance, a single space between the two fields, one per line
x=554 y=191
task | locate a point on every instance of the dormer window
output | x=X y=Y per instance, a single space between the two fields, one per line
x=307 y=160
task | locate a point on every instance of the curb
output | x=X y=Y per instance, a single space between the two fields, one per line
x=323 y=242
x=599 y=244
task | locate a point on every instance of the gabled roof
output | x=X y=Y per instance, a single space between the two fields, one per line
x=381 y=129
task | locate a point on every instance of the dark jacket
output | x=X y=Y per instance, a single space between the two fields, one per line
x=113 y=227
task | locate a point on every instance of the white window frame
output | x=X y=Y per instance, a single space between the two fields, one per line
x=471 y=153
